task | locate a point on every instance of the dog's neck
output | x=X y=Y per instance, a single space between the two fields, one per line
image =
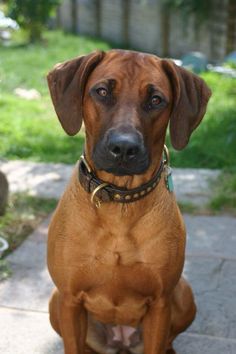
x=128 y=181
x=159 y=201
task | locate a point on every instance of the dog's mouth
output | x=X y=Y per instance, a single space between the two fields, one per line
x=118 y=167
x=123 y=170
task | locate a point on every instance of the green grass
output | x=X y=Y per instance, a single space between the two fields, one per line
x=224 y=199
x=23 y=215
x=27 y=64
x=5 y=269
x=188 y=208
x=213 y=144
x=30 y=130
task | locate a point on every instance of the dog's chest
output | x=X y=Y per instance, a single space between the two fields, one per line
x=100 y=254
x=118 y=271
x=121 y=287
x=118 y=261
x=114 y=275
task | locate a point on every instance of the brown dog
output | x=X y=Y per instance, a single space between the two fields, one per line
x=117 y=268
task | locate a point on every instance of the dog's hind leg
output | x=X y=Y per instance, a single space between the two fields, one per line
x=54 y=311
x=183 y=311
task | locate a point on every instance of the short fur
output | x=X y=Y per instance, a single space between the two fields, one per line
x=122 y=264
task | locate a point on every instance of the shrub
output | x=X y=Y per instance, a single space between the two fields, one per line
x=32 y=15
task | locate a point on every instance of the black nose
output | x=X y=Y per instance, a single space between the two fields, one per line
x=124 y=146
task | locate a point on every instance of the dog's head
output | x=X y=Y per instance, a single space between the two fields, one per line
x=126 y=100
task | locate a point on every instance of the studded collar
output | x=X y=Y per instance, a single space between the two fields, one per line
x=105 y=192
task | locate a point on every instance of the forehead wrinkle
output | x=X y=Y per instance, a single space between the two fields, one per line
x=131 y=69
x=125 y=72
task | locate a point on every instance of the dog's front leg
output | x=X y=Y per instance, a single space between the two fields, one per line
x=73 y=326
x=156 y=326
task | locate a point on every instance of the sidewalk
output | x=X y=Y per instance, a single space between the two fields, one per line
x=49 y=180
x=210 y=267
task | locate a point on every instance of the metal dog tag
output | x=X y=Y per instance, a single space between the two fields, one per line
x=168 y=179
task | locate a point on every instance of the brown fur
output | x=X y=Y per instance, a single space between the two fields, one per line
x=122 y=264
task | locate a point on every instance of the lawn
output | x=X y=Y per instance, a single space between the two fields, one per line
x=213 y=144
x=23 y=215
x=30 y=130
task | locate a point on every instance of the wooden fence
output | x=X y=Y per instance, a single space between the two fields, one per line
x=146 y=25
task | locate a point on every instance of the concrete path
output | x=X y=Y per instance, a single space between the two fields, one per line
x=49 y=180
x=210 y=267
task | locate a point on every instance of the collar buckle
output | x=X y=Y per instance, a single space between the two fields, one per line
x=94 y=199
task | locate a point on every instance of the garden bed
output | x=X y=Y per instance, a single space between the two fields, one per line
x=23 y=215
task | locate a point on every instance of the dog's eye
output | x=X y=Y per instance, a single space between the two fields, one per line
x=156 y=100
x=101 y=91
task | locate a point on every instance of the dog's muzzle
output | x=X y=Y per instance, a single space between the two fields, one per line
x=121 y=153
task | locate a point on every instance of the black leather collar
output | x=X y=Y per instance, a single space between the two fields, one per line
x=105 y=192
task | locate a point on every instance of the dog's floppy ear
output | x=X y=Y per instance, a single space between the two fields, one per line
x=66 y=83
x=190 y=97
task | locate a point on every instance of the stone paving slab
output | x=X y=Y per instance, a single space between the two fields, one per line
x=194 y=185
x=30 y=282
x=213 y=236
x=30 y=332
x=214 y=284
x=26 y=332
x=210 y=268
x=48 y=180
x=195 y=344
